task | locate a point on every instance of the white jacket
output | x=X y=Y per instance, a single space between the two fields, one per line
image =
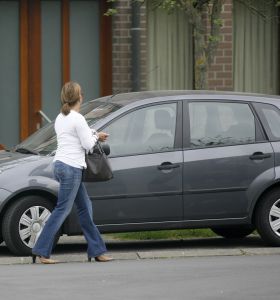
x=74 y=136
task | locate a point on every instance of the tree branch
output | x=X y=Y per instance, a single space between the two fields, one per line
x=215 y=25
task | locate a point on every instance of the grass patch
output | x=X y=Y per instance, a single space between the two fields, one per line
x=162 y=234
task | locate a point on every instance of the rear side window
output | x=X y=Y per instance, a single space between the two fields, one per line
x=270 y=116
x=221 y=123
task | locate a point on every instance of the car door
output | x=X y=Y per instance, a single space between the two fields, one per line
x=226 y=159
x=147 y=162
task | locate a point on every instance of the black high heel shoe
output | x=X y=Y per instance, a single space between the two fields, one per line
x=43 y=260
x=101 y=258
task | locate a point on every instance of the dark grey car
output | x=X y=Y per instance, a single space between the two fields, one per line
x=181 y=159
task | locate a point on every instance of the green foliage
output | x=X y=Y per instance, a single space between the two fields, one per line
x=163 y=234
x=111 y=11
x=214 y=38
x=218 y=22
x=168 y=4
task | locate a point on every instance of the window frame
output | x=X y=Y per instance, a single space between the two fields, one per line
x=178 y=142
x=259 y=132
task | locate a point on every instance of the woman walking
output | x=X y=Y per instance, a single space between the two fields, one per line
x=74 y=137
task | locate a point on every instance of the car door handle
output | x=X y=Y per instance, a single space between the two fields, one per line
x=168 y=166
x=259 y=156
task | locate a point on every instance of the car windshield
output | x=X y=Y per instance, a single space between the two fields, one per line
x=44 y=142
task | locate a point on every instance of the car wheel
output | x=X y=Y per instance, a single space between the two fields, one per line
x=23 y=223
x=267 y=218
x=233 y=232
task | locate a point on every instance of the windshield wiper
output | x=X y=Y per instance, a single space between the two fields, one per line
x=26 y=151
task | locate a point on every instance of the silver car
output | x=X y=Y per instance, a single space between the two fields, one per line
x=181 y=159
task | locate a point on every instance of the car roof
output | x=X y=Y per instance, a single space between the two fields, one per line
x=128 y=98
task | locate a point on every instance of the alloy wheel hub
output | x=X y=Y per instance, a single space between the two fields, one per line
x=31 y=224
x=274 y=217
x=36 y=227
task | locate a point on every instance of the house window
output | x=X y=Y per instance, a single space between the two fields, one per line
x=256 y=50
x=170 y=50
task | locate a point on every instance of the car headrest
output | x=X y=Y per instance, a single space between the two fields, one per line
x=163 y=119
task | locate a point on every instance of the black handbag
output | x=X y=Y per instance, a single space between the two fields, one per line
x=98 y=166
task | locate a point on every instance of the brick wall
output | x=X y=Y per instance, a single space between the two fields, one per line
x=220 y=75
x=122 y=48
x=143 y=48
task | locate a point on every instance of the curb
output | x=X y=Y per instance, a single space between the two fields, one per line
x=141 y=255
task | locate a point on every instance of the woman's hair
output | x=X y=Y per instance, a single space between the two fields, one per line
x=70 y=95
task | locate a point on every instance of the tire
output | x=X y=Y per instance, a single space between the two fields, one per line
x=265 y=218
x=23 y=222
x=233 y=232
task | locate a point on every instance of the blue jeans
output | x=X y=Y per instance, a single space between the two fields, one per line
x=71 y=191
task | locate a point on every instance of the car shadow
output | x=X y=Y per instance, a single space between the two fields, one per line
x=215 y=242
x=72 y=245
x=194 y=243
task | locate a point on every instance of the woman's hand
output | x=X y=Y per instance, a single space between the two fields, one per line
x=102 y=136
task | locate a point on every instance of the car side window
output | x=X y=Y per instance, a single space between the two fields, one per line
x=271 y=118
x=145 y=130
x=218 y=124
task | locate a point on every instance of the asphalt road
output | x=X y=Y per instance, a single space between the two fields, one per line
x=190 y=278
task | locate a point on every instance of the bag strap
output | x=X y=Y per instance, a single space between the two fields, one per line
x=99 y=147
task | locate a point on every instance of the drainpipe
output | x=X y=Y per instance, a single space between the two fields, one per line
x=135 y=45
